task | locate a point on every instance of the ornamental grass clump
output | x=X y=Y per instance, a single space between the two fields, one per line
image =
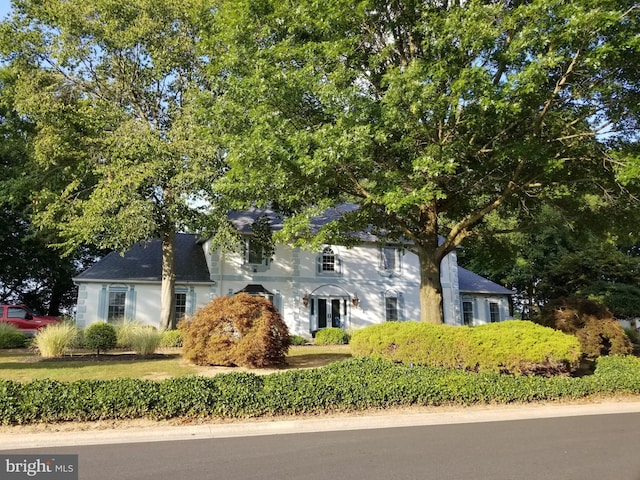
x=241 y=330
x=145 y=340
x=142 y=339
x=53 y=341
x=125 y=331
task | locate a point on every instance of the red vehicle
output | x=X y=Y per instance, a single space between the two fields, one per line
x=25 y=319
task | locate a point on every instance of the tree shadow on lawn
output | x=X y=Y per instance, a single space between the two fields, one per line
x=313 y=360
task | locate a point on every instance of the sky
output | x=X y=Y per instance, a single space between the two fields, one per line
x=5 y=8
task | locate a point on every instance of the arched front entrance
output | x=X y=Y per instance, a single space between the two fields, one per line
x=329 y=306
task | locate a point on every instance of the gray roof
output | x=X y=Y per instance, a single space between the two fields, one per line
x=143 y=263
x=470 y=282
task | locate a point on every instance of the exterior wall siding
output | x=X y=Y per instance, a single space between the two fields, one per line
x=305 y=296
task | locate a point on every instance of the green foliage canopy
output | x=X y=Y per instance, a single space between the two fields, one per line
x=431 y=116
x=108 y=86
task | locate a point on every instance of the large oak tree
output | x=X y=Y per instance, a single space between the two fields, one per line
x=108 y=86
x=433 y=116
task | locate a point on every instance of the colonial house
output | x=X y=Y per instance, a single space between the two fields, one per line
x=332 y=287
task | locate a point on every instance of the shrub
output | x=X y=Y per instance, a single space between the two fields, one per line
x=10 y=336
x=331 y=336
x=633 y=335
x=297 y=340
x=353 y=384
x=100 y=336
x=509 y=347
x=241 y=330
x=592 y=323
x=171 y=338
x=53 y=341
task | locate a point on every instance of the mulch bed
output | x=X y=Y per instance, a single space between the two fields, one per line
x=107 y=357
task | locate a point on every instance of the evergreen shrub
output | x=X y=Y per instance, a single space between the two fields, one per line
x=171 y=339
x=513 y=346
x=10 y=336
x=632 y=334
x=297 y=340
x=592 y=323
x=351 y=385
x=239 y=330
x=331 y=336
x=100 y=336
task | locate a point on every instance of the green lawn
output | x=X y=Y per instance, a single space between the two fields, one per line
x=23 y=365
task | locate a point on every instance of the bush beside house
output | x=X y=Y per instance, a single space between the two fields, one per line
x=592 y=324
x=331 y=336
x=239 y=330
x=100 y=336
x=10 y=337
x=514 y=346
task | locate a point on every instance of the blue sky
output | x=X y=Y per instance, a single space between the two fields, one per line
x=5 y=8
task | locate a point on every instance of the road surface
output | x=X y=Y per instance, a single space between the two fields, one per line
x=596 y=447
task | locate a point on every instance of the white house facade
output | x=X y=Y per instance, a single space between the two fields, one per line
x=335 y=286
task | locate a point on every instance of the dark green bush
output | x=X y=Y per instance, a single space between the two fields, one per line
x=632 y=334
x=331 y=336
x=241 y=330
x=10 y=336
x=100 y=336
x=509 y=347
x=171 y=338
x=592 y=323
x=297 y=340
x=354 y=384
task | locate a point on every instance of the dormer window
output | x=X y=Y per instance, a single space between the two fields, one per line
x=329 y=263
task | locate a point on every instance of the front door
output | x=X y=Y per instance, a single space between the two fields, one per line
x=329 y=312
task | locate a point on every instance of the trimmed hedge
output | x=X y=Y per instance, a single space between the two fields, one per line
x=513 y=346
x=354 y=384
x=331 y=336
x=171 y=338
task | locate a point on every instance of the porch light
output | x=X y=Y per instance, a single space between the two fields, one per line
x=305 y=300
x=355 y=301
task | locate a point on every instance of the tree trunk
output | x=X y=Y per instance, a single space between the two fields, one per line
x=430 y=286
x=167 y=296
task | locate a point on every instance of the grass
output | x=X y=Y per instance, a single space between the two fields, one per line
x=24 y=365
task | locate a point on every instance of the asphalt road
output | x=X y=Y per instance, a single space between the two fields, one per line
x=597 y=447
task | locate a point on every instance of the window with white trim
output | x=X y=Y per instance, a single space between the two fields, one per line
x=467 y=313
x=494 y=312
x=181 y=305
x=391 y=309
x=254 y=256
x=328 y=262
x=116 y=306
x=390 y=260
